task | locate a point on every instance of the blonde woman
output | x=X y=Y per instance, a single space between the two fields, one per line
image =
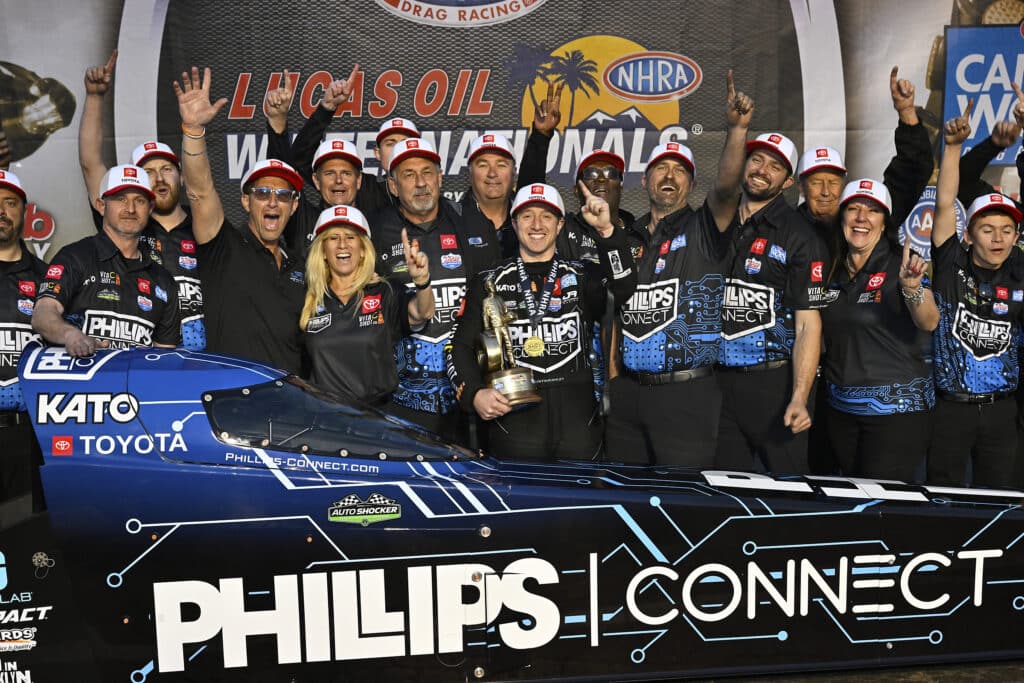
x=352 y=317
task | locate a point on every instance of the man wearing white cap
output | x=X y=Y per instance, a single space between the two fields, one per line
x=21 y=273
x=253 y=289
x=457 y=251
x=665 y=402
x=771 y=328
x=105 y=290
x=169 y=230
x=552 y=300
x=980 y=297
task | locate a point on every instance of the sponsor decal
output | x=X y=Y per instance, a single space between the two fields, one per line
x=777 y=253
x=555 y=305
x=1018 y=295
x=371 y=304
x=449 y=242
x=752 y=266
x=144 y=286
x=678 y=242
x=619 y=270
x=62 y=445
x=187 y=262
x=17 y=639
x=376 y=508
x=982 y=338
x=145 y=303
x=1002 y=293
x=160 y=293
x=876 y=281
x=918 y=225
x=109 y=278
x=451 y=261
x=562 y=337
x=298 y=277
x=25 y=614
x=26 y=306
x=821 y=295
x=448 y=301
x=319 y=323
x=3 y=571
x=651 y=309
x=999 y=308
x=476 y=241
x=874 y=297
x=121 y=330
x=659 y=266
x=188 y=247
x=139 y=444
x=54 y=272
x=758 y=246
x=747 y=307
x=108 y=295
x=27 y=287
x=63 y=408
x=568 y=280
x=652 y=77
x=130 y=173
x=663 y=249
x=817 y=271
x=190 y=294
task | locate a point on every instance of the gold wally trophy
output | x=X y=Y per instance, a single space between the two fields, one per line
x=494 y=354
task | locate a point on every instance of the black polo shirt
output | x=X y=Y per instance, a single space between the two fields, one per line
x=351 y=345
x=979 y=335
x=128 y=302
x=777 y=267
x=673 y=321
x=578 y=240
x=19 y=284
x=252 y=306
x=875 y=363
x=176 y=250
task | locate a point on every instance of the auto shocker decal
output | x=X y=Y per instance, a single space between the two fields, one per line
x=376 y=508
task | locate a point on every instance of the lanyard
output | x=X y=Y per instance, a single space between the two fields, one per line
x=533 y=308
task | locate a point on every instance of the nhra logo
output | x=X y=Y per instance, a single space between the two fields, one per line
x=464 y=14
x=748 y=307
x=652 y=76
x=62 y=408
x=651 y=309
x=982 y=338
x=376 y=508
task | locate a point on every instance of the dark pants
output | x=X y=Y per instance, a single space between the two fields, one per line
x=565 y=425
x=821 y=457
x=880 y=446
x=20 y=459
x=666 y=424
x=451 y=426
x=984 y=435
x=751 y=434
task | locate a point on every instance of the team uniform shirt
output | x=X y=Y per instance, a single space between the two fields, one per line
x=977 y=342
x=252 y=306
x=350 y=345
x=577 y=297
x=875 y=363
x=175 y=250
x=777 y=267
x=673 y=321
x=457 y=251
x=128 y=302
x=19 y=284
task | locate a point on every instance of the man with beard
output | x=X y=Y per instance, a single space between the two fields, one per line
x=106 y=290
x=771 y=328
x=169 y=230
x=456 y=252
x=253 y=289
x=665 y=403
x=20 y=275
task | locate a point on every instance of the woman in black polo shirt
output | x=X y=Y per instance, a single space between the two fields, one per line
x=980 y=295
x=352 y=317
x=880 y=390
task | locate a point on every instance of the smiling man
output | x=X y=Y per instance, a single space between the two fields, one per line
x=254 y=289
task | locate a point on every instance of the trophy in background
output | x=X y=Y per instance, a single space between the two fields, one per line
x=494 y=354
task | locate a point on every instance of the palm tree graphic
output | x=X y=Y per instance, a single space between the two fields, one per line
x=577 y=73
x=525 y=65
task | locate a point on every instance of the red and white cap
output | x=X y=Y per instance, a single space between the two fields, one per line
x=778 y=144
x=148 y=150
x=675 y=150
x=413 y=147
x=601 y=155
x=126 y=177
x=539 y=193
x=491 y=142
x=337 y=149
x=342 y=216
x=866 y=188
x=275 y=168
x=12 y=183
x=398 y=125
x=821 y=159
x=994 y=202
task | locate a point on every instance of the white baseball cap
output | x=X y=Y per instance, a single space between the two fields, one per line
x=539 y=193
x=342 y=216
x=676 y=150
x=397 y=125
x=821 y=159
x=337 y=149
x=866 y=188
x=275 y=168
x=777 y=143
x=126 y=177
x=413 y=147
x=601 y=155
x=13 y=183
x=994 y=202
x=148 y=150
x=491 y=142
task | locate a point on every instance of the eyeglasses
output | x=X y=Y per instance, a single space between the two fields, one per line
x=606 y=172
x=263 y=194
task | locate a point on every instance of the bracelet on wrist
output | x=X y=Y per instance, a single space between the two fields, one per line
x=915 y=297
x=192 y=134
x=420 y=287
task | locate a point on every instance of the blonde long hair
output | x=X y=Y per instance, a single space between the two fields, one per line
x=318 y=273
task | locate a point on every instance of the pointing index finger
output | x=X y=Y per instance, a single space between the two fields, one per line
x=730 y=86
x=1020 y=93
x=894 y=78
x=112 y=62
x=584 y=190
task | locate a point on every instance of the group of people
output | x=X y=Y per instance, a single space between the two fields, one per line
x=743 y=333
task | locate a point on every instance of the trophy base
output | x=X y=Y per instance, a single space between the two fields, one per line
x=515 y=384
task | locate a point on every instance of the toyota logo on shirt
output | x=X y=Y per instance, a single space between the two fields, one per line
x=817 y=271
x=371 y=304
x=876 y=280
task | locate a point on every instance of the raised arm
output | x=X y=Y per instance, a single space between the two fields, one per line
x=919 y=299
x=725 y=194
x=312 y=132
x=421 y=306
x=5 y=152
x=955 y=131
x=908 y=172
x=546 y=117
x=98 y=80
x=196 y=112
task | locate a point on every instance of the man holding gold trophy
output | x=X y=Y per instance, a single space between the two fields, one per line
x=531 y=316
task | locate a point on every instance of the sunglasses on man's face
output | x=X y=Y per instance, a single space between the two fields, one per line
x=606 y=172
x=263 y=194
